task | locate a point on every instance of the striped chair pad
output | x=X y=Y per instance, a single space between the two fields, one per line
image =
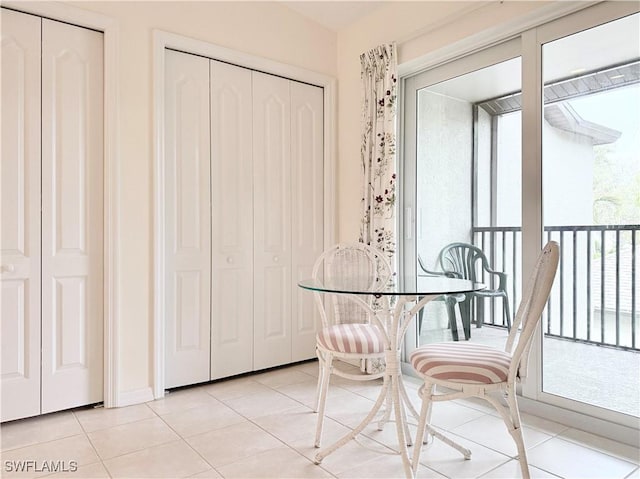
x=352 y=338
x=462 y=363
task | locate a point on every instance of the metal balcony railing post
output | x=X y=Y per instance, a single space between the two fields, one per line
x=602 y=288
x=575 y=285
x=589 y=285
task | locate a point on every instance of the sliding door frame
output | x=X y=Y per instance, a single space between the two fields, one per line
x=532 y=185
x=549 y=24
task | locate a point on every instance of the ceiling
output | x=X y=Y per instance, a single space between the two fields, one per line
x=334 y=15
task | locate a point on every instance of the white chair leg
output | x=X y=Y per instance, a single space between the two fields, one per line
x=320 y=377
x=359 y=428
x=322 y=399
x=511 y=419
x=425 y=393
x=516 y=433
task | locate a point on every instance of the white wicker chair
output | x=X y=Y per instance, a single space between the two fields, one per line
x=347 y=330
x=474 y=370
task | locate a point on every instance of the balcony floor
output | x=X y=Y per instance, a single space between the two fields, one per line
x=596 y=375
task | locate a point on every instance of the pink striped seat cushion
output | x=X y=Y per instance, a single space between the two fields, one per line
x=352 y=338
x=462 y=363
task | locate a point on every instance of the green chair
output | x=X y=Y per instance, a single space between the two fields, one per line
x=469 y=262
x=466 y=261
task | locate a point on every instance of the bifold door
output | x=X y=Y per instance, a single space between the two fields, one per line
x=188 y=219
x=52 y=215
x=20 y=195
x=232 y=220
x=244 y=202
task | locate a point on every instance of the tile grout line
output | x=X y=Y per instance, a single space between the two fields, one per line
x=184 y=439
x=86 y=434
x=633 y=474
x=133 y=451
x=4 y=451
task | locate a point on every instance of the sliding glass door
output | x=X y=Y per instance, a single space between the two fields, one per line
x=534 y=139
x=591 y=207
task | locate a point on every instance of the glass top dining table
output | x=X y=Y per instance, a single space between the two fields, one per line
x=398 y=302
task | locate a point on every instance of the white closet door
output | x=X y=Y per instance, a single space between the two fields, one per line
x=272 y=213
x=307 y=201
x=232 y=221
x=188 y=220
x=72 y=216
x=20 y=210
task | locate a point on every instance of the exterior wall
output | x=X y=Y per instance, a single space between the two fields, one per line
x=444 y=155
x=509 y=171
x=265 y=29
x=567 y=175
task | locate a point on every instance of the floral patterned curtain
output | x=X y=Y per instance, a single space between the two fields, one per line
x=378 y=150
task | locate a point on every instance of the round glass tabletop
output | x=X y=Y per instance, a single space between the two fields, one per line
x=423 y=286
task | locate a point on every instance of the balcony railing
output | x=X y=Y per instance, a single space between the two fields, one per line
x=595 y=295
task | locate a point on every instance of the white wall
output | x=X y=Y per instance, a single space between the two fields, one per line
x=419 y=28
x=263 y=29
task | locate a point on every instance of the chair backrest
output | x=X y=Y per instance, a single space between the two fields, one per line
x=530 y=309
x=461 y=259
x=357 y=263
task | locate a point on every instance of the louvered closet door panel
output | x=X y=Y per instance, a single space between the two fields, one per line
x=187 y=220
x=232 y=221
x=20 y=209
x=72 y=216
x=272 y=214
x=307 y=202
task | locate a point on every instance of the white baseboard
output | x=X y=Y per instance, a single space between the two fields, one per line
x=136 y=396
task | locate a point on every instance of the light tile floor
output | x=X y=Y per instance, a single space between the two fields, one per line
x=262 y=426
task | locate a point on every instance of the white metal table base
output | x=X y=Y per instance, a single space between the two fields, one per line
x=394 y=394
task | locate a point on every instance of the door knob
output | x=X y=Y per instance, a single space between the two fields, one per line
x=276 y=259
x=230 y=260
x=7 y=268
